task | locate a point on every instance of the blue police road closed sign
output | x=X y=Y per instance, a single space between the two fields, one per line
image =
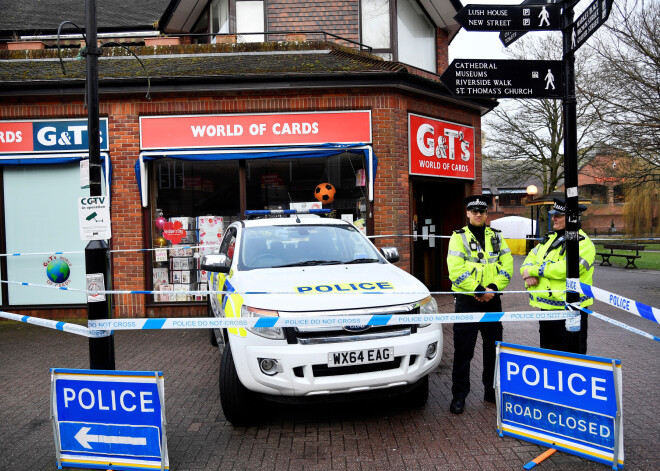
x=565 y=401
x=109 y=419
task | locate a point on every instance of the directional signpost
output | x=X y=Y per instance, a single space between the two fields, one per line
x=588 y=22
x=498 y=78
x=544 y=79
x=509 y=37
x=109 y=419
x=510 y=17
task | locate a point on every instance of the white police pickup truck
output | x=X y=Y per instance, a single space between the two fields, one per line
x=301 y=267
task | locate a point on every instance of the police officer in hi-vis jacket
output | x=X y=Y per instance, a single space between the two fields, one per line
x=479 y=263
x=544 y=272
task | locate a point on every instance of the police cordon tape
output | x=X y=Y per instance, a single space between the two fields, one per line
x=97 y=328
x=379 y=236
x=622 y=325
x=104 y=327
x=57 y=325
x=621 y=302
x=333 y=289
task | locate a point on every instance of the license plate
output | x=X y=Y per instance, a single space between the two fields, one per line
x=361 y=357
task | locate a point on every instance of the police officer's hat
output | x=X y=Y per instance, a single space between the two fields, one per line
x=478 y=202
x=560 y=207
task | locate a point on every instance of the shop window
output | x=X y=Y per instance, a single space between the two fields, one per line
x=619 y=194
x=596 y=193
x=192 y=204
x=276 y=183
x=41 y=216
x=201 y=198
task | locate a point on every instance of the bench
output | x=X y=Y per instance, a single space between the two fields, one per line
x=629 y=257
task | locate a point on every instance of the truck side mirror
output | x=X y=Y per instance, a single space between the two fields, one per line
x=216 y=263
x=391 y=254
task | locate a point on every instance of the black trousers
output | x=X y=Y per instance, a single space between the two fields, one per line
x=465 y=338
x=554 y=336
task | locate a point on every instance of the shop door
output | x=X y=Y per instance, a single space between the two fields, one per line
x=437 y=210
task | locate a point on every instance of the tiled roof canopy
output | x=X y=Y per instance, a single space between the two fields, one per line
x=35 y=17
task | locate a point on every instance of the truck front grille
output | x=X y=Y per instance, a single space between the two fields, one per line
x=320 y=371
x=314 y=336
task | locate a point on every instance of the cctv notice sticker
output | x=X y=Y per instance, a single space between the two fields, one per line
x=94 y=218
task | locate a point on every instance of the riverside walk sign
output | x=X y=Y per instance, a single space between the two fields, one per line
x=499 y=78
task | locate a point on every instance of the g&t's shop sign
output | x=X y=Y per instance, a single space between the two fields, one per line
x=561 y=400
x=43 y=136
x=440 y=148
x=243 y=130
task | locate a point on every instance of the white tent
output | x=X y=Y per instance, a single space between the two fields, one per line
x=515 y=230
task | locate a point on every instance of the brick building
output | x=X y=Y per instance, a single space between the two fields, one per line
x=250 y=106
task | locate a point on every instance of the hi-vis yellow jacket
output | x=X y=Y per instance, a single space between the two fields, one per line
x=547 y=262
x=469 y=272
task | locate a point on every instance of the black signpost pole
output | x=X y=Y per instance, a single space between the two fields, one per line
x=570 y=162
x=101 y=350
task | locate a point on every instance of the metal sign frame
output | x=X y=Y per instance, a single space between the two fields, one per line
x=112 y=419
x=540 y=406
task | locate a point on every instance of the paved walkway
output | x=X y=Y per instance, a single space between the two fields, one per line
x=354 y=436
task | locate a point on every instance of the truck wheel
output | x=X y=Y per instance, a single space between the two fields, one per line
x=417 y=397
x=239 y=404
x=214 y=341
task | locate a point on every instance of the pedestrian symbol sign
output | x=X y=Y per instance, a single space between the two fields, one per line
x=109 y=419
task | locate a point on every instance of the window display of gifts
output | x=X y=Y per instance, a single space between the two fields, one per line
x=181 y=295
x=182 y=263
x=160 y=277
x=210 y=224
x=188 y=276
x=180 y=251
x=201 y=287
x=187 y=223
x=167 y=295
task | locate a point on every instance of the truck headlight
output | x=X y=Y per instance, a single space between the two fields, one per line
x=428 y=305
x=275 y=333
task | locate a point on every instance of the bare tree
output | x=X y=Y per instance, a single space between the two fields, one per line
x=627 y=52
x=524 y=137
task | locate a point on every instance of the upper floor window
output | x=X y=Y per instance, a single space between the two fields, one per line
x=406 y=35
x=219 y=15
x=416 y=36
x=248 y=17
x=375 y=27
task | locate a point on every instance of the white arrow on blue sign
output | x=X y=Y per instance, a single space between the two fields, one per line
x=113 y=419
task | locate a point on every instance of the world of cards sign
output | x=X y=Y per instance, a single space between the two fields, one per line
x=503 y=78
x=510 y=17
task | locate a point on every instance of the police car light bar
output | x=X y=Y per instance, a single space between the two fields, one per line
x=269 y=212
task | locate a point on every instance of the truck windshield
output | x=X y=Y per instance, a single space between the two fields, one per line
x=304 y=245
